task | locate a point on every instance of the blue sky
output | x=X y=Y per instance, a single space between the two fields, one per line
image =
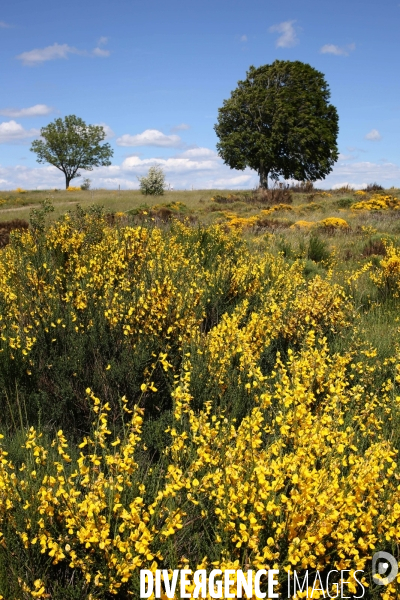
x=156 y=72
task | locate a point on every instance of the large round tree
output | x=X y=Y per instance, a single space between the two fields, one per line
x=279 y=122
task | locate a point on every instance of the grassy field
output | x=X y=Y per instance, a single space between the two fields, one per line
x=204 y=380
x=18 y=205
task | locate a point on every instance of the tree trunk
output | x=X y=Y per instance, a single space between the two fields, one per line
x=67 y=181
x=263 y=173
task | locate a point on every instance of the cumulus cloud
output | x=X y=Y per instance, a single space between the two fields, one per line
x=173 y=165
x=181 y=127
x=38 y=110
x=11 y=131
x=288 y=37
x=373 y=135
x=357 y=173
x=200 y=168
x=226 y=182
x=337 y=50
x=353 y=186
x=150 y=137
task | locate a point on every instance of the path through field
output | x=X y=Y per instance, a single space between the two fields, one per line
x=28 y=206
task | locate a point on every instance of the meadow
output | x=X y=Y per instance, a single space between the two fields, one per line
x=202 y=380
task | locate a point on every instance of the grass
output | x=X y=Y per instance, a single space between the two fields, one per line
x=19 y=204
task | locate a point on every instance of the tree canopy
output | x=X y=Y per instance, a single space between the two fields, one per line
x=279 y=122
x=69 y=144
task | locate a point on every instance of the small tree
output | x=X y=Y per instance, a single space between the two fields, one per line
x=154 y=183
x=86 y=183
x=69 y=144
x=278 y=121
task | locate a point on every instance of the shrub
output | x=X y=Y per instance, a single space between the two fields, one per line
x=154 y=183
x=303 y=225
x=302 y=187
x=317 y=249
x=7 y=226
x=378 y=202
x=86 y=184
x=374 y=247
x=72 y=188
x=374 y=187
x=332 y=224
x=344 y=202
x=275 y=195
x=229 y=199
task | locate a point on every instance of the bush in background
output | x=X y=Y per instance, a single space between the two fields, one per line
x=154 y=183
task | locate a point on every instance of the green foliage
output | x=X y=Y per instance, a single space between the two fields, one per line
x=317 y=249
x=278 y=121
x=37 y=216
x=69 y=144
x=154 y=183
x=344 y=202
x=86 y=184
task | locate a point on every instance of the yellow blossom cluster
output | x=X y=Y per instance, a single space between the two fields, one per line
x=329 y=224
x=378 y=202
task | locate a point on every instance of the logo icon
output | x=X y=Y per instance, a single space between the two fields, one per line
x=384 y=568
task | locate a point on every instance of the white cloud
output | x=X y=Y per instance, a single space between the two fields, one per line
x=4 y=25
x=337 y=50
x=173 y=165
x=181 y=127
x=357 y=173
x=11 y=131
x=56 y=51
x=226 y=182
x=288 y=37
x=201 y=168
x=343 y=157
x=38 y=110
x=40 y=55
x=198 y=153
x=243 y=38
x=100 y=52
x=150 y=137
x=373 y=135
x=353 y=186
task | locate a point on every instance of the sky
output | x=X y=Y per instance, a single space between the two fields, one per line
x=154 y=74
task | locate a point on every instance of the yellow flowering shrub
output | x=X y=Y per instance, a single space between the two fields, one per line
x=177 y=399
x=72 y=188
x=378 y=202
x=303 y=225
x=387 y=276
x=334 y=223
x=277 y=207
